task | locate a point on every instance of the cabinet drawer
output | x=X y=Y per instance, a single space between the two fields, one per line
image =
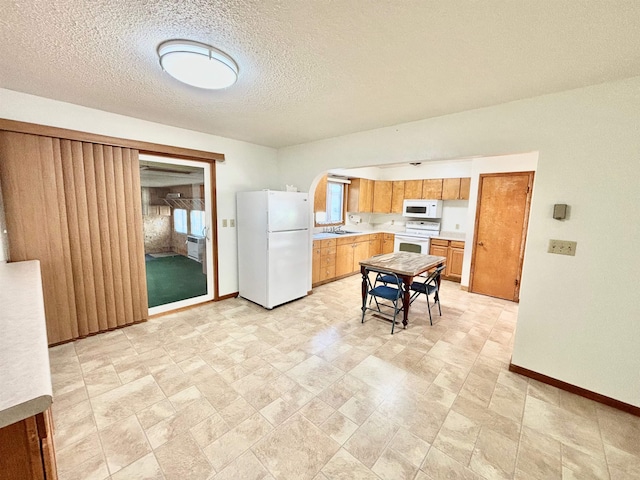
x=389 y=236
x=329 y=242
x=317 y=244
x=327 y=261
x=440 y=243
x=328 y=250
x=327 y=272
x=373 y=236
x=457 y=244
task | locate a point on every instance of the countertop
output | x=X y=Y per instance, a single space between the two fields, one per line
x=451 y=236
x=25 y=377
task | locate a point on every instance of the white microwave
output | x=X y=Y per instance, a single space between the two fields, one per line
x=422 y=208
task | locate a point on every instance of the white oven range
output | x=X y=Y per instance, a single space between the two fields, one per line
x=416 y=237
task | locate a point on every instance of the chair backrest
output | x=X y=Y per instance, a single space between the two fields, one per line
x=378 y=272
x=433 y=276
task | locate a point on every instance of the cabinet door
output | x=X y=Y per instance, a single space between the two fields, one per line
x=450 y=189
x=353 y=195
x=387 y=243
x=360 y=252
x=344 y=259
x=366 y=196
x=412 y=189
x=375 y=245
x=465 y=186
x=397 y=196
x=454 y=262
x=382 y=196
x=320 y=197
x=315 y=272
x=440 y=251
x=432 y=189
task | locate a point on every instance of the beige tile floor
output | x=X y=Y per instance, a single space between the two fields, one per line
x=305 y=391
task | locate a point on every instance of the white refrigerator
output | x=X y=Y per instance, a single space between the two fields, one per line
x=273 y=246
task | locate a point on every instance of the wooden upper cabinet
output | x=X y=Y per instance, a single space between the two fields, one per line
x=320 y=197
x=360 y=197
x=432 y=189
x=397 y=196
x=465 y=186
x=412 y=189
x=451 y=189
x=456 y=188
x=382 y=196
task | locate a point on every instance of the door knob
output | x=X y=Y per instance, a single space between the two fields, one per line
x=481 y=244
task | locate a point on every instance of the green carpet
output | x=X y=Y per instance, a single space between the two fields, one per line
x=170 y=279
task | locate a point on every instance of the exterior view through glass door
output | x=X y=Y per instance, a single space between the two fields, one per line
x=176 y=217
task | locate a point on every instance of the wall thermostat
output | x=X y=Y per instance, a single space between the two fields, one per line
x=560 y=211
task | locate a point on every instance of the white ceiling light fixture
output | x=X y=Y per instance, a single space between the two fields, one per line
x=197 y=64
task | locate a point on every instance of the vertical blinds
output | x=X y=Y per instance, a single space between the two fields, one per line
x=75 y=206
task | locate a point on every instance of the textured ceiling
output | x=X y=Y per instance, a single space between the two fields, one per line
x=312 y=69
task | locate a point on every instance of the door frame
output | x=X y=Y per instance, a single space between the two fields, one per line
x=525 y=227
x=212 y=237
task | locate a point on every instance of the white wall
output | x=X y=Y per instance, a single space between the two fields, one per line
x=578 y=316
x=247 y=166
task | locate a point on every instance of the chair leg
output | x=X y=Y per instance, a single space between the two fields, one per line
x=429 y=308
x=437 y=298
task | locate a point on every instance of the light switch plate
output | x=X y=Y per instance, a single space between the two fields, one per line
x=224 y=222
x=232 y=222
x=562 y=247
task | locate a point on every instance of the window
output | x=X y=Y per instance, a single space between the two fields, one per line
x=335 y=197
x=180 y=220
x=197 y=222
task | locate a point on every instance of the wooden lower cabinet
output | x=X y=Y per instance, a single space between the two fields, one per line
x=27 y=451
x=453 y=250
x=388 y=240
x=324 y=261
x=342 y=257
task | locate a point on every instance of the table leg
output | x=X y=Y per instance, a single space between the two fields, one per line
x=363 y=271
x=406 y=284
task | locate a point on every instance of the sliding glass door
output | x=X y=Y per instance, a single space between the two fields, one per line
x=176 y=218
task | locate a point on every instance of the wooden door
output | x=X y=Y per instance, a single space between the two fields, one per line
x=502 y=216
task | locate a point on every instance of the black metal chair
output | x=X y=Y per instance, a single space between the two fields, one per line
x=427 y=287
x=380 y=293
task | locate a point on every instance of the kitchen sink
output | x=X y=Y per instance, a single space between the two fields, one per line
x=343 y=232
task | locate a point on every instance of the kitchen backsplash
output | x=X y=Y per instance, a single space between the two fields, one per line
x=454 y=219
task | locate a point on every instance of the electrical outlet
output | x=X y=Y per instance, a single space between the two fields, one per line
x=457 y=226
x=232 y=222
x=562 y=247
x=224 y=222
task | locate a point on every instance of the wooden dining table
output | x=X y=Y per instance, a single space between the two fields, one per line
x=405 y=265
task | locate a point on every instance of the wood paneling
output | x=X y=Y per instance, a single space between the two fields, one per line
x=76 y=207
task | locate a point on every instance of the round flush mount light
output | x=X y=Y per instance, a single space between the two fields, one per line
x=197 y=64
